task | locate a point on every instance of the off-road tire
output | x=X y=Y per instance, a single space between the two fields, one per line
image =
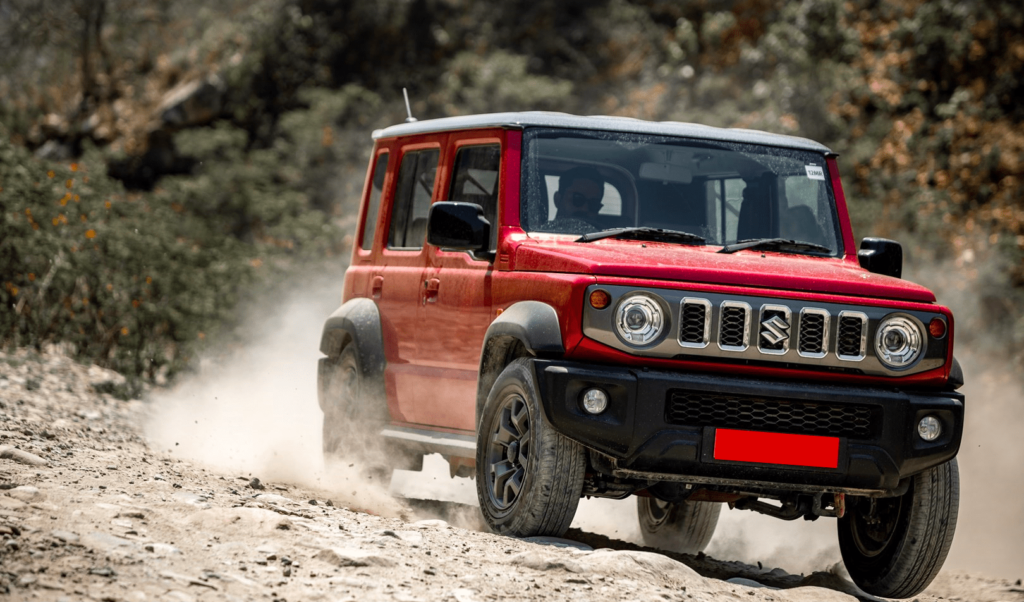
x=684 y=527
x=551 y=467
x=351 y=417
x=901 y=559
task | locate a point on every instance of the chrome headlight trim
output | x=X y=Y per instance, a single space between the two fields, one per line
x=899 y=341
x=639 y=319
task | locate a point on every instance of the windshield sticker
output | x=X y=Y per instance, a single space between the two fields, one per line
x=815 y=172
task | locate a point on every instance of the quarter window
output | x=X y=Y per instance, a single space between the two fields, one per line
x=412 y=199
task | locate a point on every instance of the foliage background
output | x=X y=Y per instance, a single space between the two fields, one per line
x=161 y=161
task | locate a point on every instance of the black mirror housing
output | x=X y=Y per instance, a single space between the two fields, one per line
x=881 y=256
x=458 y=227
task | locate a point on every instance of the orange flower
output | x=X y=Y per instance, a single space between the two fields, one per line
x=90 y=233
x=69 y=183
x=124 y=330
x=31 y=277
x=74 y=167
x=50 y=174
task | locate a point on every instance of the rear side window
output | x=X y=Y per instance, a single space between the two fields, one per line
x=373 y=208
x=412 y=199
x=475 y=180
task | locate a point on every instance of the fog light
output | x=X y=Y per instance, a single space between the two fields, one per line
x=929 y=428
x=595 y=401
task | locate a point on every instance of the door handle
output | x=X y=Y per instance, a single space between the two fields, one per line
x=378 y=287
x=430 y=288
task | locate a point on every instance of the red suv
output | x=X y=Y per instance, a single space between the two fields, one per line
x=566 y=306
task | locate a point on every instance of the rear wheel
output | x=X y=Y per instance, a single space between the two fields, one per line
x=894 y=547
x=353 y=413
x=684 y=527
x=529 y=477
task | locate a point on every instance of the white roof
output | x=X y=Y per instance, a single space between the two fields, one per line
x=599 y=122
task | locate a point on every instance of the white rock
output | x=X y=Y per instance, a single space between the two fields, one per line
x=27 y=494
x=353 y=557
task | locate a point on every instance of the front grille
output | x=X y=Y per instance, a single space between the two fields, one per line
x=812 y=334
x=850 y=340
x=693 y=322
x=734 y=327
x=695 y=408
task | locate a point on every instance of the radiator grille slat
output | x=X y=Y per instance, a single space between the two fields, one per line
x=691 y=328
x=812 y=333
x=849 y=343
x=695 y=408
x=734 y=322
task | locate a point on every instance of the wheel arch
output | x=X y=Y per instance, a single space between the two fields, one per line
x=526 y=329
x=356 y=321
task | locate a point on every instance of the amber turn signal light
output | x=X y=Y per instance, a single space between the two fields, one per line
x=600 y=299
x=937 y=328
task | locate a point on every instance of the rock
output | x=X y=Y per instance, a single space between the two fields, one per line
x=104 y=542
x=272 y=498
x=193 y=103
x=245 y=520
x=161 y=549
x=103 y=572
x=26 y=580
x=430 y=524
x=746 y=582
x=52 y=150
x=558 y=542
x=255 y=484
x=9 y=503
x=413 y=537
x=64 y=536
x=353 y=557
x=194 y=499
x=10 y=452
x=540 y=562
x=105 y=381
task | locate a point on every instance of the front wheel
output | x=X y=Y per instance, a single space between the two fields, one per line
x=684 y=527
x=894 y=547
x=529 y=477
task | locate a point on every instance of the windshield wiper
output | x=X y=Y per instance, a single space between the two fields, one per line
x=774 y=244
x=641 y=233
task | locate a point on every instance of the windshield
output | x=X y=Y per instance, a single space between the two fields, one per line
x=576 y=182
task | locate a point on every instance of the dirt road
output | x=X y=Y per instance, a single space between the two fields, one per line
x=89 y=510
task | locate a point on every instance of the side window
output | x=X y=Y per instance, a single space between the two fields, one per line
x=412 y=199
x=475 y=180
x=373 y=208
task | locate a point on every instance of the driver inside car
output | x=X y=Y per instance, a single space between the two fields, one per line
x=580 y=195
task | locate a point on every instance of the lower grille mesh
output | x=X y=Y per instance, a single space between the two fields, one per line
x=695 y=408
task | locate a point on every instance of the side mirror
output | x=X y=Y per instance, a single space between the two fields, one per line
x=881 y=256
x=458 y=227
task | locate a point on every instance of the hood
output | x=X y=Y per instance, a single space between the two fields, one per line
x=682 y=263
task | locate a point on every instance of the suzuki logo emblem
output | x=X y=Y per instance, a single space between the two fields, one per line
x=775 y=330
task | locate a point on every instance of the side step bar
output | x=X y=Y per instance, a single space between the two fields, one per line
x=430 y=442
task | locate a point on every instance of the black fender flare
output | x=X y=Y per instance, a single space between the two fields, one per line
x=529 y=325
x=358 y=321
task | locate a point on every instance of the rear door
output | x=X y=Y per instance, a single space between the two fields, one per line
x=399 y=286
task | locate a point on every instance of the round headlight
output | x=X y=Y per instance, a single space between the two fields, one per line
x=639 y=320
x=898 y=341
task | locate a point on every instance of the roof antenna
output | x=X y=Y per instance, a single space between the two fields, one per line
x=408 y=109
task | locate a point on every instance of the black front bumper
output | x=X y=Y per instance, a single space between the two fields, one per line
x=644 y=437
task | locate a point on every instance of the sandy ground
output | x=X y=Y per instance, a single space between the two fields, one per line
x=90 y=509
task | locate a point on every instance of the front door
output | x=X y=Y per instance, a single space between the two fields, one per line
x=458 y=306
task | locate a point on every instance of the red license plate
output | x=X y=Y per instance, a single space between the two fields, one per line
x=777 y=448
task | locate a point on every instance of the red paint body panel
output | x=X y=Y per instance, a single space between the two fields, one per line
x=681 y=263
x=776 y=448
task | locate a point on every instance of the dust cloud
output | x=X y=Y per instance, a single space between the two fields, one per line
x=254 y=410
